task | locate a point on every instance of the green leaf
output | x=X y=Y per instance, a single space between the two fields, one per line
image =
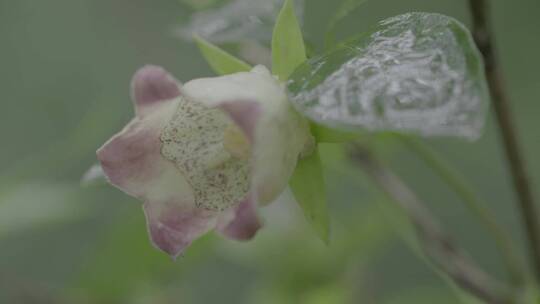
x=414 y=73
x=324 y=134
x=307 y=184
x=345 y=9
x=288 y=49
x=219 y=60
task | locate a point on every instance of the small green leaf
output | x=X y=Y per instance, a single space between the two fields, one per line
x=220 y=61
x=307 y=184
x=345 y=9
x=288 y=49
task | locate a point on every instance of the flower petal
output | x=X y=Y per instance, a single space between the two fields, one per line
x=173 y=225
x=257 y=85
x=131 y=159
x=258 y=104
x=242 y=223
x=152 y=84
x=146 y=160
x=245 y=114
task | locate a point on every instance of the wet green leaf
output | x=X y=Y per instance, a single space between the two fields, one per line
x=415 y=73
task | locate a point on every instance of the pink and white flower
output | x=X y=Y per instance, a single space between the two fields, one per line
x=203 y=154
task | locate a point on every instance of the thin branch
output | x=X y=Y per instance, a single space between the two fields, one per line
x=484 y=38
x=458 y=184
x=437 y=244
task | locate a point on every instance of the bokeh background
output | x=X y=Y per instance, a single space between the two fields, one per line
x=65 y=71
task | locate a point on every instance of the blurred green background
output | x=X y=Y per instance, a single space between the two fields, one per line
x=66 y=67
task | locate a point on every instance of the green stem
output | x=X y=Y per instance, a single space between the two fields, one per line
x=485 y=40
x=437 y=244
x=458 y=184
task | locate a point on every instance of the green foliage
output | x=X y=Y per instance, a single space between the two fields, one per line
x=219 y=60
x=288 y=49
x=325 y=134
x=307 y=184
x=531 y=293
x=352 y=88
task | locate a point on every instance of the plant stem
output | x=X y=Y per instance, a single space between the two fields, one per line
x=484 y=38
x=437 y=244
x=457 y=183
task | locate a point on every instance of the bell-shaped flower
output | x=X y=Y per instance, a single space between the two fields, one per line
x=203 y=154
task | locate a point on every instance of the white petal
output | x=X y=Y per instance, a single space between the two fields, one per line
x=278 y=133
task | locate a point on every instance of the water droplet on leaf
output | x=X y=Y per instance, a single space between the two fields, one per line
x=417 y=72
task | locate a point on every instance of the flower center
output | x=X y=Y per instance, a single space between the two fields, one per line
x=204 y=145
x=236 y=142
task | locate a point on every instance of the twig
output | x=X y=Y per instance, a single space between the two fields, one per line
x=484 y=38
x=437 y=244
x=471 y=199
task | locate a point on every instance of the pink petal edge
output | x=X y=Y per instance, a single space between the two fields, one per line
x=128 y=158
x=245 y=114
x=152 y=84
x=244 y=223
x=172 y=227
